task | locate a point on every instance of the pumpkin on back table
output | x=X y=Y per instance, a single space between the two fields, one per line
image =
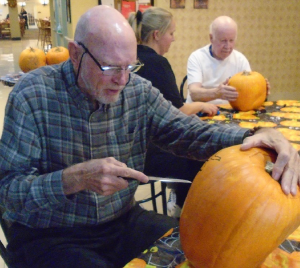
x=252 y=89
x=235 y=213
x=57 y=55
x=31 y=58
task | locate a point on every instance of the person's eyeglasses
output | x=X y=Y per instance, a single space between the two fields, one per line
x=112 y=70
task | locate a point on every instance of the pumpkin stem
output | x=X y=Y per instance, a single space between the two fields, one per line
x=246 y=73
x=269 y=167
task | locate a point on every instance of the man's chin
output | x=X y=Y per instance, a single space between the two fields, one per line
x=108 y=99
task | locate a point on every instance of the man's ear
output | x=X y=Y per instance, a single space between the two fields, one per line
x=74 y=53
x=210 y=38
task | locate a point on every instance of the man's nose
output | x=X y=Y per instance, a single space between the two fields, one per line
x=121 y=78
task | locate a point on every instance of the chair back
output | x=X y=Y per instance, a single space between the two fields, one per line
x=4 y=226
x=182 y=89
x=5 y=30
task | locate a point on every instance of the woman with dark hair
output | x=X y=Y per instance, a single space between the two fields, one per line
x=154 y=30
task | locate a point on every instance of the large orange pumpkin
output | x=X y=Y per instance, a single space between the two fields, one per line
x=235 y=213
x=31 y=58
x=57 y=55
x=252 y=89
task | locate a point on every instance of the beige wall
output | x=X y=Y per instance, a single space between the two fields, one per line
x=77 y=9
x=269 y=36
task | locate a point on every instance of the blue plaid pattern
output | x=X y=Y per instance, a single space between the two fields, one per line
x=50 y=124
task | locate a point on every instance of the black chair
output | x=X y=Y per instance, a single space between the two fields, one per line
x=155 y=195
x=182 y=88
x=3 y=251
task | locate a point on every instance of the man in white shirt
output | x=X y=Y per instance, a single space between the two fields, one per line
x=210 y=67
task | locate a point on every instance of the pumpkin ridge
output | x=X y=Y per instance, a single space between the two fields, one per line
x=220 y=202
x=238 y=227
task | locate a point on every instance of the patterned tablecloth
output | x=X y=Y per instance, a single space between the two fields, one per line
x=283 y=115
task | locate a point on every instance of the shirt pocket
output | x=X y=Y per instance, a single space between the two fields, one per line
x=120 y=146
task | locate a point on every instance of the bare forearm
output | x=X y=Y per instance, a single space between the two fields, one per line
x=191 y=108
x=196 y=107
x=198 y=93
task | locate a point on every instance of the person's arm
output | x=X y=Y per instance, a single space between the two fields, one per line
x=223 y=91
x=26 y=180
x=196 y=107
x=287 y=165
x=103 y=176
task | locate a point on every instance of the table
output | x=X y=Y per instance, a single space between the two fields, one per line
x=167 y=253
x=283 y=115
x=11 y=79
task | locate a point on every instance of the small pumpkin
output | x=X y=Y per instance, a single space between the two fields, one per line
x=235 y=213
x=31 y=58
x=57 y=55
x=252 y=89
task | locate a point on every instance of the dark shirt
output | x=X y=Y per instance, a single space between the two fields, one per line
x=158 y=70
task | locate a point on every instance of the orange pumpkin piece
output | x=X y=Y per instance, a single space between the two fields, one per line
x=247 y=124
x=288 y=102
x=268 y=103
x=225 y=106
x=266 y=124
x=185 y=264
x=296 y=146
x=31 y=58
x=245 y=116
x=290 y=123
x=290 y=134
x=235 y=213
x=278 y=114
x=220 y=117
x=291 y=109
x=136 y=263
x=281 y=259
x=252 y=89
x=286 y=115
x=57 y=55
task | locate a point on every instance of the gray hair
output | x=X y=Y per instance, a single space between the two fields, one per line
x=153 y=18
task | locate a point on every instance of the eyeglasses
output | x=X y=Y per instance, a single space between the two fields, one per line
x=112 y=70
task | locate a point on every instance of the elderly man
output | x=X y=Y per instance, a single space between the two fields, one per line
x=210 y=67
x=73 y=148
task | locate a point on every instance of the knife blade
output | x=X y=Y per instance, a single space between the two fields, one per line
x=164 y=180
x=168 y=180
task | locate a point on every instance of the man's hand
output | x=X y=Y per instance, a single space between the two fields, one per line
x=103 y=176
x=287 y=165
x=226 y=92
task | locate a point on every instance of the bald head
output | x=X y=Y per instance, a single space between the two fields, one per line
x=103 y=26
x=222 y=23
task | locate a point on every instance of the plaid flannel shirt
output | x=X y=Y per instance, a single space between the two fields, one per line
x=50 y=124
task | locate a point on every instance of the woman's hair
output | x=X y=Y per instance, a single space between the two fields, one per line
x=153 y=18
